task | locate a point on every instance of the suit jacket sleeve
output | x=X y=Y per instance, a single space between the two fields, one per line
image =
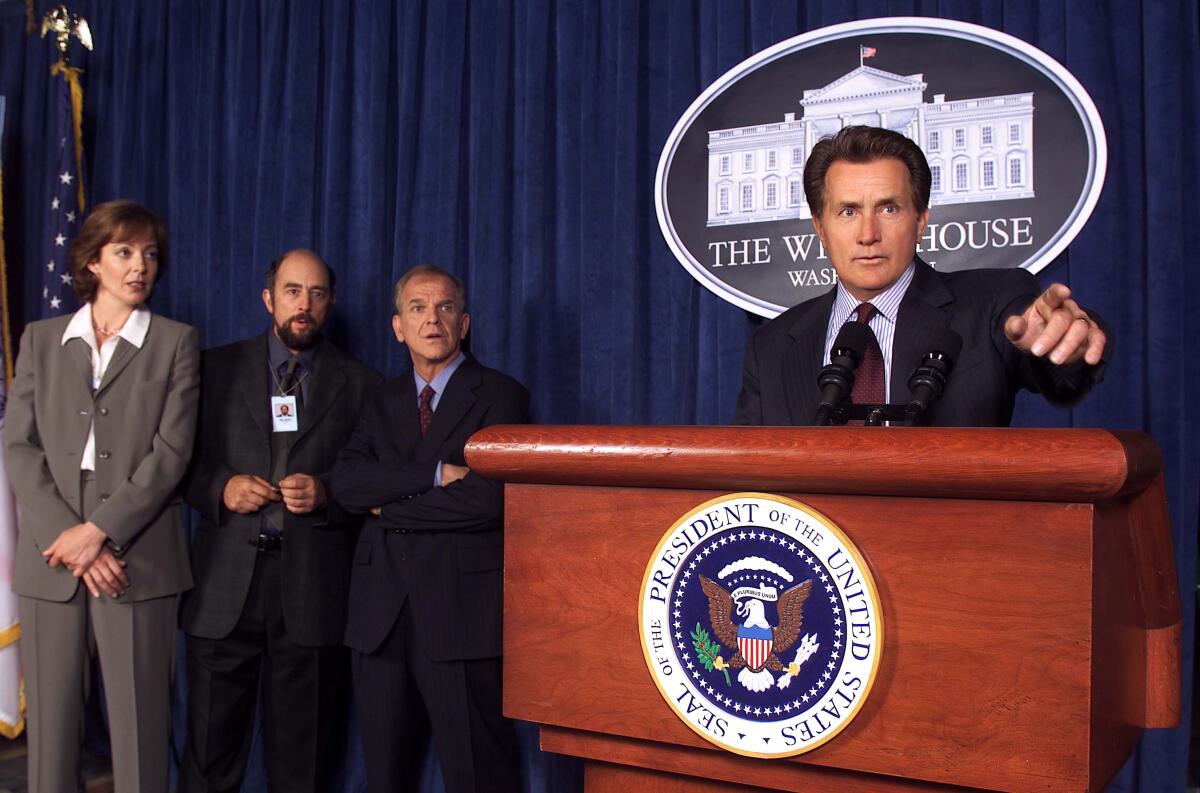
x=25 y=456
x=204 y=487
x=332 y=512
x=749 y=401
x=135 y=502
x=335 y=510
x=360 y=479
x=1061 y=385
x=473 y=503
x=208 y=476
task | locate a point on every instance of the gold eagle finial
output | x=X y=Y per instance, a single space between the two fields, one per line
x=63 y=24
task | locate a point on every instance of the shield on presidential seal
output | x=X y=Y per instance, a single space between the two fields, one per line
x=755 y=645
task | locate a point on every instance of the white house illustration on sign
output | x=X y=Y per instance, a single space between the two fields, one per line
x=978 y=149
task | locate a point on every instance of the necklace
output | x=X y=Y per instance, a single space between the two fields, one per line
x=104 y=330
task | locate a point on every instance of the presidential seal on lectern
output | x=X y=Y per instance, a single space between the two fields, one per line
x=760 y=624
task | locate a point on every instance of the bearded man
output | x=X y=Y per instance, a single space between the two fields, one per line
x=271 y=554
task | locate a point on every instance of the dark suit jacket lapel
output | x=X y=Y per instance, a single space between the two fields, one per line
x=251 y=380
x=328 y=381
x=921 y=313
x=802 y=360
x=453 y=405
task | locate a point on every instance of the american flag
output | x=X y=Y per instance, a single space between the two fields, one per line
x=865 y=52
x=65 y=200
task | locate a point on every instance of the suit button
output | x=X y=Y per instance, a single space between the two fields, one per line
x=104 y=496
x=83 y=412
x=103 y=411
x=105 y=455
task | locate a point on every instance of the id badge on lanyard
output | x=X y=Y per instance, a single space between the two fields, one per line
x=285 y=416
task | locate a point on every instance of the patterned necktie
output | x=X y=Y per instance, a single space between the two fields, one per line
x=425 y=408
x=281 y=443
x=868 y=380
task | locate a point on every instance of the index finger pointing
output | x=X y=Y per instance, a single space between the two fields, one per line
x=1054 y=296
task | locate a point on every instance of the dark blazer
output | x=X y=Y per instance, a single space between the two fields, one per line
x=145 y=417
x=235 y=438
x=441 y=548
x=784 y=356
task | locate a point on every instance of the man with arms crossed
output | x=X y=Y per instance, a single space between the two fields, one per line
x=271 y=555
x=425 y=591
x=868 y=190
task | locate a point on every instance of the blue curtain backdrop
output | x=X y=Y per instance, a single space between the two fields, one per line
x=515 y=143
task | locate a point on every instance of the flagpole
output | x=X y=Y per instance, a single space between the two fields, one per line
x=67 y=205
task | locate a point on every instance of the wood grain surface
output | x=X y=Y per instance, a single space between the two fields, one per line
x=1042 y=464
x=1028 y=637
x=682 y=770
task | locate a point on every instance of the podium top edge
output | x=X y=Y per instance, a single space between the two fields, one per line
x=1066 y=465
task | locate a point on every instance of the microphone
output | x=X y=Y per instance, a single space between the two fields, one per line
x=928 y=381
x=837 y=378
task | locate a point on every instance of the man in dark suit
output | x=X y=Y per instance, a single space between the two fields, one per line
x=425 y=591
x=271 y=555
x=868 y=190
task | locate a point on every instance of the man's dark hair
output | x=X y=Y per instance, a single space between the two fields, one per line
x=112 y=221
x=862 y=145
x=460 y=291
x=273 y=269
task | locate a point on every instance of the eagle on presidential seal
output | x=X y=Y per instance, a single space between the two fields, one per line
x=756 y=644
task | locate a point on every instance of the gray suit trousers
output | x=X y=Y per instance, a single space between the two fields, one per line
x=135 y=643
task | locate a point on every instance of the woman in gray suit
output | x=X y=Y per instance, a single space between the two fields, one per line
x=99 y=430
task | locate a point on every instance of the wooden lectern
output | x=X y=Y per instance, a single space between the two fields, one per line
x=1026 y=578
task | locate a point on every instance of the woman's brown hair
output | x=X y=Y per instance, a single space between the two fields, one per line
x=112 y=221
